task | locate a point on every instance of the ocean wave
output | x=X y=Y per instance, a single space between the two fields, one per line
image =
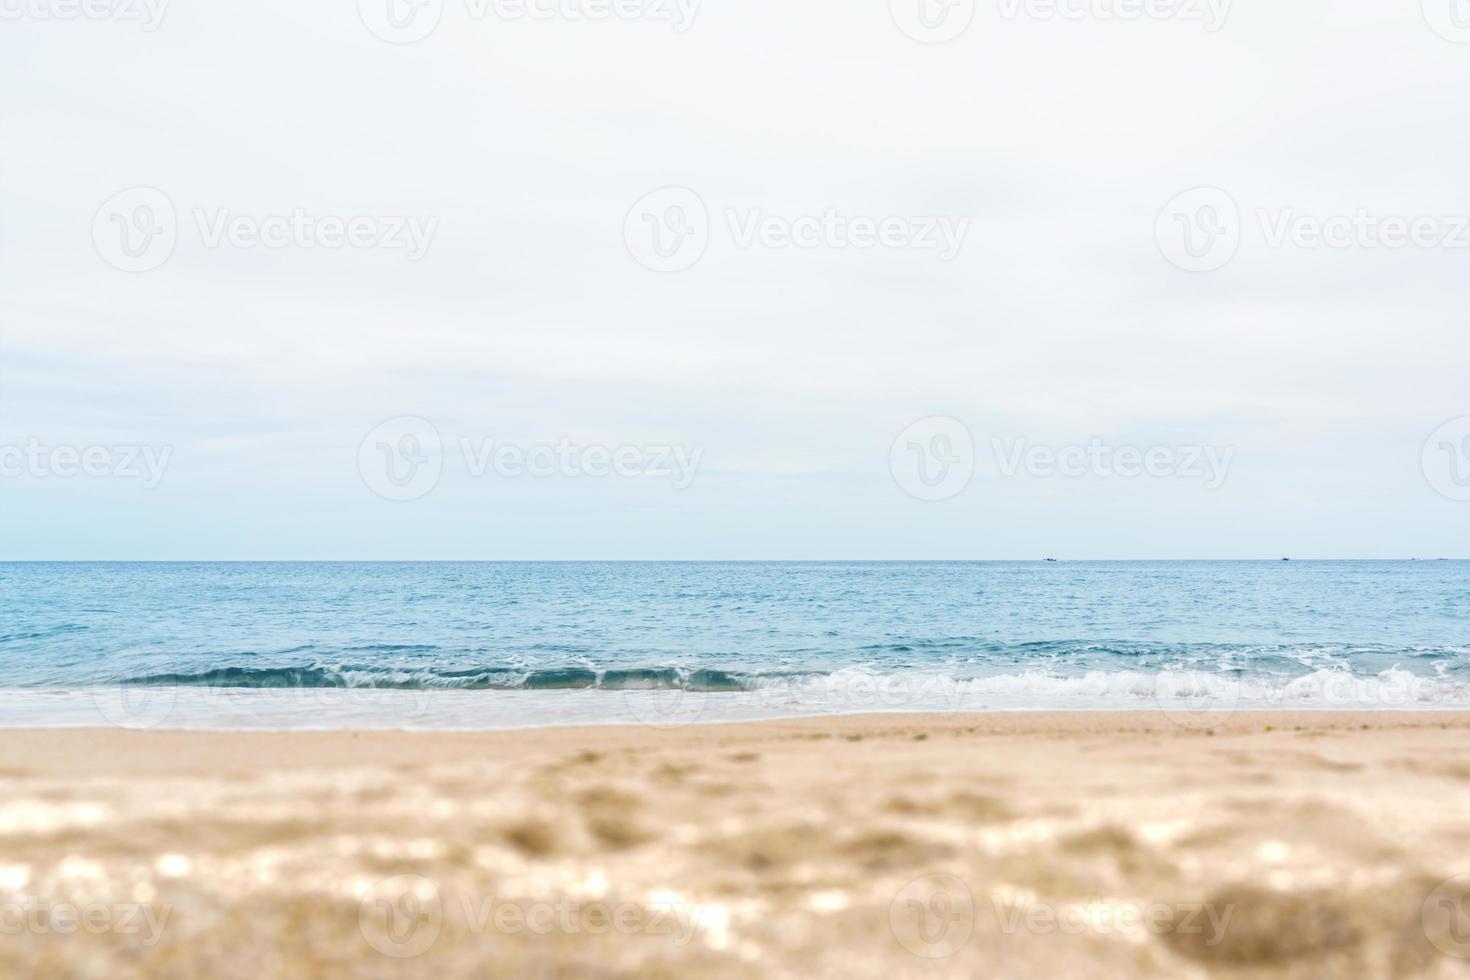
x=479 y=678
x=926 y=690
x=1328 y=686
x=1323 y=686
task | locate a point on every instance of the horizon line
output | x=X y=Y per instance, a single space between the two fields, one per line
x=671 y=561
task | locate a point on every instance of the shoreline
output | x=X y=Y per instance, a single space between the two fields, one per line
x=451 y=710
x=1001 y=722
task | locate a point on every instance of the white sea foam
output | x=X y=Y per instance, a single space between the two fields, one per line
x=851 y=691
x=1125 y=689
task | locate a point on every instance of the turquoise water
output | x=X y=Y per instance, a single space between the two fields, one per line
x=549 y=643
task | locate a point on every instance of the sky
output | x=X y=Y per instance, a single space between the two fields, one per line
x=646 y=279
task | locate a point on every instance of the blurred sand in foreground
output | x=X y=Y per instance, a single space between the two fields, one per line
x=1026 y=845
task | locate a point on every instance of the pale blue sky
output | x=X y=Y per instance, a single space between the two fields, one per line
x=530 y=320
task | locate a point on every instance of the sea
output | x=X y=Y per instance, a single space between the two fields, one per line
x=489 y=645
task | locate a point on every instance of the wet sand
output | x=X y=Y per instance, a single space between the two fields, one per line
x=1022 y=845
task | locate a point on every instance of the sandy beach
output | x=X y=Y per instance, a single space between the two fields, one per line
x=1016 y=845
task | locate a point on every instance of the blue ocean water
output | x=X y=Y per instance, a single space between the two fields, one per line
x=551 y=643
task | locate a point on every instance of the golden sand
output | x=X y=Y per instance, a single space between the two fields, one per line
x=1037 y=845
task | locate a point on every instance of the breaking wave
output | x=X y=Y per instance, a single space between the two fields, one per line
x=918 y=689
